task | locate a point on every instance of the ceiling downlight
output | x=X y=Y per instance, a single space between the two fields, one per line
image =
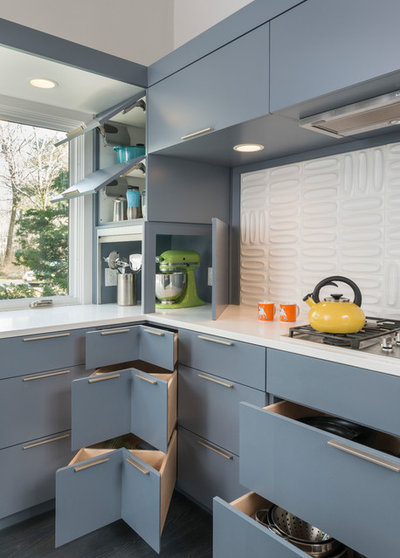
x=43 y=83
x=248 y=147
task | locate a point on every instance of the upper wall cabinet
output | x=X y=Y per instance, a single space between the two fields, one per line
x=322 y=46
x=229 y=86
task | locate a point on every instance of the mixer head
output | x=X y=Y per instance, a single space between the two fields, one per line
x=178 y=260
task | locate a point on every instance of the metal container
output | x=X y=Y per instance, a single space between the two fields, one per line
x=170 y=286
x=119 y=213
x=126 y=289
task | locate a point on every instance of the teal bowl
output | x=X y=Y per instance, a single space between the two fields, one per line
x=127 y=152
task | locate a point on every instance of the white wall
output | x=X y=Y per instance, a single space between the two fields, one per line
x=192 y=17
x=138 y=30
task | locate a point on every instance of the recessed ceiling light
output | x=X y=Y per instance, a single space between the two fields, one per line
x=43 y=83
x=248 y=147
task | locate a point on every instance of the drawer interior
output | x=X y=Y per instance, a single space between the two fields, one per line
x=386 y=443
x=146 y=367
x=88 y=453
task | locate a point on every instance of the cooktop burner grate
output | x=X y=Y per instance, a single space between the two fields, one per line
x=374 y=329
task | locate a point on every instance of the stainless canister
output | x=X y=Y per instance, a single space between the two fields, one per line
x=126 y=289
x=119 y=209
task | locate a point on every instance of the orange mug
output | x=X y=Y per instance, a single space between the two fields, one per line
x=266 y=311
x=288 y=312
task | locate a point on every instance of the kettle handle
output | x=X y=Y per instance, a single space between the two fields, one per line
x=329 y=281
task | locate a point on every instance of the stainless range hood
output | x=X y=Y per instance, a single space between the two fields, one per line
x=350 y=120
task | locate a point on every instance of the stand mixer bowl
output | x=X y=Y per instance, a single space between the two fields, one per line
x=170 y=286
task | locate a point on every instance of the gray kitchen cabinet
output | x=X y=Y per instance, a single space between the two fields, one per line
x=345 y=391
x=206 y=470
x=36 y=405
x=229 y=86
x=322 y=46
x=158 y=346
x=209 y=406
x=347 y=489
x=27 y=472
x=237 y=361
x=38 y=353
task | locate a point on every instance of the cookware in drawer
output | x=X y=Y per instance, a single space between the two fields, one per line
x=100 y=486
x=35 y=353
x=206 y=470
x=347 y=489
x=209 y=406
x=136 y=397
x=27 y=472
x=36 y=405
x=234 y=360
x=346 y=391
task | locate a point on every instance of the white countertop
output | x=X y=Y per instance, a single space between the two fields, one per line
x=237 y=322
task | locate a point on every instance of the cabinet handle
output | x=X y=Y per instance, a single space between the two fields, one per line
x=55 y=439
x=366 y=456
x=114 y=331
x=198 y=133
x=215 y=381
x=92 y=464
x=52 y=336
x=138 y=466
x=213 y=340
x=150 y=381
x=159 y=333
x=40 y=376
x=103 y=378
x=216 y=450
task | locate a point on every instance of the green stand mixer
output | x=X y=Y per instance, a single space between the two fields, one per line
x=176 y=285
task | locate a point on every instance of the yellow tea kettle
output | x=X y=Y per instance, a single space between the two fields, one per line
x=335 y=314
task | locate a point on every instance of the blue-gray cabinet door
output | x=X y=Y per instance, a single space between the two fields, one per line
x=100 y=408
x=226 y=87
x=348 y=490
x=322 y=46
x=220 y=267
x=158 y=346
x=112 y=346
x=88 y=494
x=153 y=407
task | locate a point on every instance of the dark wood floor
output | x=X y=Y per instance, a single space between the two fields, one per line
x=187 y=534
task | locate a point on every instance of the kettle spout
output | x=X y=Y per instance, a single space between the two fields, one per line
x=308 y=299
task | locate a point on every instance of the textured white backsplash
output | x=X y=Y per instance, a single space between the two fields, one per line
x=338 y=215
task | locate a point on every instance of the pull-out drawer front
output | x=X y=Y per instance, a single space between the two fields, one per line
x=27 y=472
x=36 y=405
x=35 y=353
x=112 y=346
x=206 y=470
x=237 y=361
x=158 y=346
x=333 y=388
x=209 y=406
x=344 y=488
x=236 y=534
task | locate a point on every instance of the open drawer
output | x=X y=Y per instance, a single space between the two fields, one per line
x=100 y=486
x=349 y=490
x=136 y=397
x=236 y=533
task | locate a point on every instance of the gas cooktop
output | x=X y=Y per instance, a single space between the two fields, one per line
x=379 y=336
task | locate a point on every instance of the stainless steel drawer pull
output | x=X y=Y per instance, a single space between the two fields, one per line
x=42 y=337
x=138 y=466
x=215 y=381
x=49 y=375
x=114 y=331
x=103 y=378
x=41 y=443
x=92 y=464
x=149 y=380
x=198 y=133
x=213 y=340
x=366 y=456
x=216 y=450
x=159 y=333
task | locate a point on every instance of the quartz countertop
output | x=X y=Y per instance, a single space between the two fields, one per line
x=237 y=322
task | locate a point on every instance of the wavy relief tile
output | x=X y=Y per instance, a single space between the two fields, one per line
x=283 y=252
x=282 y=279
x=253 y=177
x=362 y=204
x=287 y=197
x=284 y=171
x=361 y=267
x=253 y=265
x=394 y=148
x=252 y=277
x=278 y=238
x=393 y=218
x=324 y=179
x=362 y=235
x=250 y=301
x=250 y=252
x=319 y=194
x=283 y=226
x=252 y=203
x=255 y=191
x=318 y=237
x=323 y=208
x=362 y=251
x=284 y=211
x=283 y=185
x=361 y=220
x=326 y=223
x=395 y=167
x=321 y=164
x=318 y=266
x=392 y=278
x=319 y=252
x=379 y=171
x=393 y=234
x=368 y=283
x=348 y=171
x=362 y=173
x=394 y=184
x=283 y=293
x=394 y=201
x=371 y=299
x=393 y=251
x=277 y=265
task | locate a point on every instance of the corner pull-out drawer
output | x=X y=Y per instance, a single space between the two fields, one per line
x=234 y=360
x=331 y=387
x=35 y=353
x=36 y=405
x=209 y=406
x=349 y=490
x=100 y=486
x=111 y=346
x=27 y=472
x=206 y=470
x=158 y=346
